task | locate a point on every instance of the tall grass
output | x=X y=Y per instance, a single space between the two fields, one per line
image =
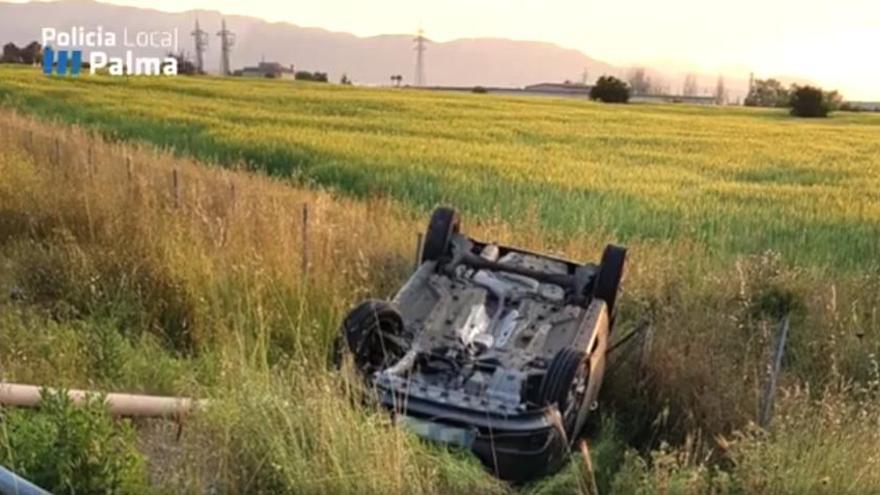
x=119 y=280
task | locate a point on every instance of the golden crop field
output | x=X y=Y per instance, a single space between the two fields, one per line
x=732 y=180
x=137 y=269
x=120 y=283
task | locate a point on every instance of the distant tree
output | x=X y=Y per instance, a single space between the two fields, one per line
x=639 y=81
x=834 y=100
x=32 y=54
x=767 y=93
x=690 y=87
x=304 y=75
x=396 y=80
x=720 y=92
x=345 y=80
x=849 y=107
x=11 y=54
x=185 y=66
x=480 y=90
x=809 y=101
x=609 y=89
x=659 y=86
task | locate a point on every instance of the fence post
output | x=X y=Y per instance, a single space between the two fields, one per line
x=775 y=365
x=304 y=269
x=90 y=159
x=175 y=184
x=129 y=173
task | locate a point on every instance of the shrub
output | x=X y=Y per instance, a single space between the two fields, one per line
x=69 y=449
x=304 y=75
x=767 y=93
x=808 y=101
x=610 y=89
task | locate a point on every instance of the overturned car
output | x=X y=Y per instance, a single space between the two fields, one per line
x=490 y=348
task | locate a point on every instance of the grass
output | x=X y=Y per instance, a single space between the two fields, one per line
x=734 y=180
x=118 y=281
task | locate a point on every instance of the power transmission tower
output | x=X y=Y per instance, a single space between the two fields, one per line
x=200 y=36
x=227 y=40
x=420 y=57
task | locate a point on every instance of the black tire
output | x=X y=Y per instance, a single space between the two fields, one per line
x=373 y=332
x=609 y=276
x=566 y=373
x=444 y=223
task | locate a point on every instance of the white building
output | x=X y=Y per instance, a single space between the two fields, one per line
x=272 y=70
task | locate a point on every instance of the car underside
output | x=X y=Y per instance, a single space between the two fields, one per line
x=490 y=348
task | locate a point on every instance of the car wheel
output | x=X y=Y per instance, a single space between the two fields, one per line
x=565 y=384
x=444 y=223
x=609 y=276
x=374 y=334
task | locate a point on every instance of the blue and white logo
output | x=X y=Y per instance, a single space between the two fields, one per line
x=74 y=56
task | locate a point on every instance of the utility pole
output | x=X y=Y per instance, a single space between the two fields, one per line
x=227 y=40
x=420 y=57
x=200 y=36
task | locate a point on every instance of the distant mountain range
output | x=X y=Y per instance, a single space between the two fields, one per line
x=366 y=60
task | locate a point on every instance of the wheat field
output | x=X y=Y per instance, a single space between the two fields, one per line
x=182 y=271
x=733 y=180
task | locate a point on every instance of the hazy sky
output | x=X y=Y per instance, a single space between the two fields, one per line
x=834 y=43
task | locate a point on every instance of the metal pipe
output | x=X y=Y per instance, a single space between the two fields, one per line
x=13 y=484
x=775 y=366
x=131 y=405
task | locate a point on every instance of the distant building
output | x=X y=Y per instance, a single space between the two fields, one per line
x=572 y=90
x=868 y=106
x=561 y=89
x=693 y=100
x=271 y=70
x=575 y=90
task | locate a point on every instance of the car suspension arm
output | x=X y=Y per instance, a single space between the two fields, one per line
x=474 y=261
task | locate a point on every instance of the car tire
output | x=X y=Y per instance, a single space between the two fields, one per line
x=444 y=223
x=373 y=332
x=609 y=276
x=559 y=385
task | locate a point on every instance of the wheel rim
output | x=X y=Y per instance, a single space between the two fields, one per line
x=378 y=344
